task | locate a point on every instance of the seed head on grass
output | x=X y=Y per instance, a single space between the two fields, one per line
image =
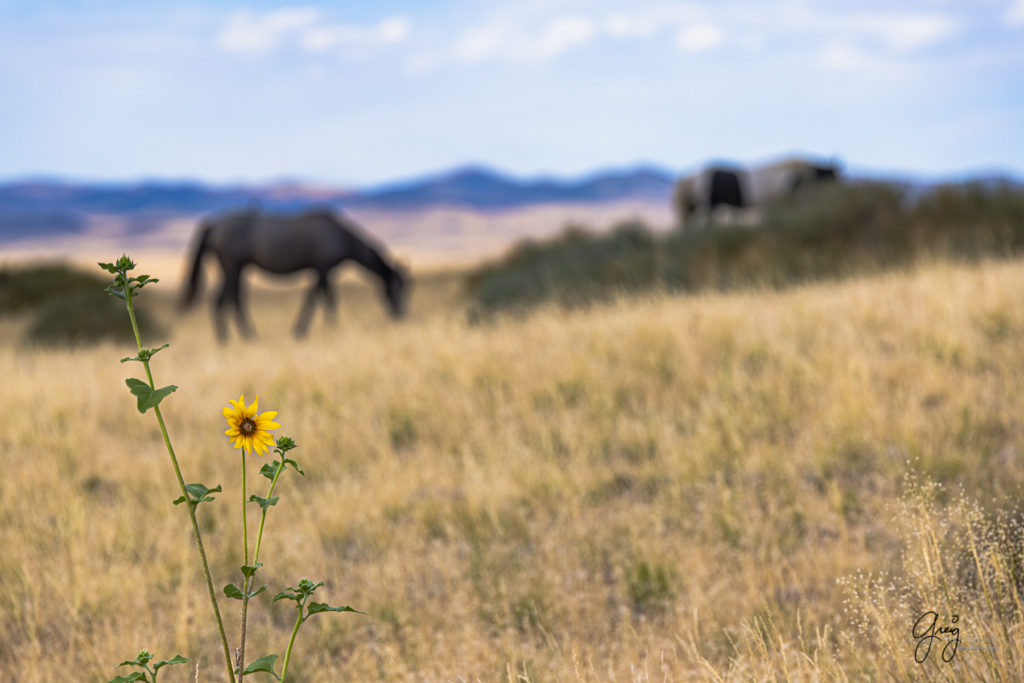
x=248 y=428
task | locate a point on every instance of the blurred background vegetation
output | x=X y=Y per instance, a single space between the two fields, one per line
x=66 y=306
x=831 y=232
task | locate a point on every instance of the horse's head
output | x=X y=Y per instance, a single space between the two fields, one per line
x=396 y=289
x=826 y=172
x=685 y=199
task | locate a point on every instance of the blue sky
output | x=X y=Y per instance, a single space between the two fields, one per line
x=353 y=93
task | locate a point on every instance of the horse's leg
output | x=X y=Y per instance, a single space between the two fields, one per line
x=330 y=300
x=219 y=324
x=306 y=312
x=240 y=313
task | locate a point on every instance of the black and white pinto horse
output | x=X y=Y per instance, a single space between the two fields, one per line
x=285 y=243
x=700 y=198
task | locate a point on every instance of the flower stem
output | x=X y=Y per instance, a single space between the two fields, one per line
x=263 y=517
x=291 y=642
x=181 y=483
x=245 y=580
x=245 y=520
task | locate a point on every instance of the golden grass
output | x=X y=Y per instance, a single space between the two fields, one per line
x=762 y=485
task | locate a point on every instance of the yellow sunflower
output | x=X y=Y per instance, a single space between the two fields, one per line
x=249 y=429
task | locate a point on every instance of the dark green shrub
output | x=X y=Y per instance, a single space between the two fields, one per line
x=68 y=306
x=23 y=288
x=828 y=232
x=85 y=317
x=575 y=268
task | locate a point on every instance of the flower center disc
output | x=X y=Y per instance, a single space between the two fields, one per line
x=248 y=426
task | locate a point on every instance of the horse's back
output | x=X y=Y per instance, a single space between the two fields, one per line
x=286 y=243
x=280 y=243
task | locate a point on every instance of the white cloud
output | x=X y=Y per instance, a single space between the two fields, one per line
x=902 y=31
x=630 y=26
x=394 y=30
x=698 y=37
x=330 y=36
x=504 y=42
x=480 y=44
x=564 y=34
x=844 y=57
x=254 y=33
x=261 y=33
x=1015 y=13
x=643 y=22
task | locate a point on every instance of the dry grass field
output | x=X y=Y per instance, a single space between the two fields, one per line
x=767 y=485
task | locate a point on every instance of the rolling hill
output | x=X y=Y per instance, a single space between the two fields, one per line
x=42 y=208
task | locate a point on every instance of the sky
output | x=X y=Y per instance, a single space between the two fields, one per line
x=358 y=93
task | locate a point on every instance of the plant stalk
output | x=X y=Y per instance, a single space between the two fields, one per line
x=291 y=642
x=181 y=483
x=245 y=579
x=248 y=581
x=263 y=517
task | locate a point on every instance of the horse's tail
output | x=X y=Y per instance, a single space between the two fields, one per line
x=196 y=275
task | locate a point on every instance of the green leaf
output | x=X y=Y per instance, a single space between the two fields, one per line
x=109 y=267
x=289 y=594
x=145 y=354
x=257 y=591
x=317 y=607
x=135 y=676
x=285 y=444
x=199 y=491
x=264 y=503
x=197 y=494
x=265 y=664
x=141 y=660
x=113 y=291
x=233 y=591
x=148 y=397
x=177 y=659
x=269 y=470
x=289 y=461
x=249 y=569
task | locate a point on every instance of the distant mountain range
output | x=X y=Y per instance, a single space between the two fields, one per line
x=39 y=209
x=48 y=209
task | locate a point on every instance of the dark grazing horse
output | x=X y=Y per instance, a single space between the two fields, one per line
x=286 y=243
x=699 y=196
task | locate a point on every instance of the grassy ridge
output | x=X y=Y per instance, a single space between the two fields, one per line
x=66 y=305
x=756 y=484
x=833 y=232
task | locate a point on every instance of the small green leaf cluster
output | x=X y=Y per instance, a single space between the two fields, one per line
x=148 y=396
x=301 y=593
x=284 y=444
x=248 y=571
x=145 y=354
x=197 y=493
x=148 y=673
x=124 y=287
